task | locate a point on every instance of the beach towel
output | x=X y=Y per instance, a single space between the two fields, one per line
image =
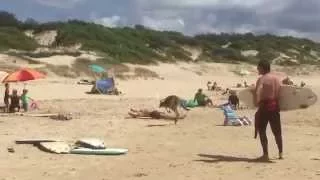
x=191 y=103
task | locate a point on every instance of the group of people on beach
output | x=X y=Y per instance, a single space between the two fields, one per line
x=12 y=100
x=266 y=97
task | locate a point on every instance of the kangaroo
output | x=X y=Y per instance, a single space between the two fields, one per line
x=172 y=103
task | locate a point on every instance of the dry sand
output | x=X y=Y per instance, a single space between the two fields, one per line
x=196 y=148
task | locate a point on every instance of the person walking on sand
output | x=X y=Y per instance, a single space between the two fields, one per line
x=266 y=97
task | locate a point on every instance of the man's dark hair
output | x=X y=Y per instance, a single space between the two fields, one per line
x=264 y=65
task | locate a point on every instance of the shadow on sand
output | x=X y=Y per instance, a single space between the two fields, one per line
x=158 y=125
x=222 y=158
x=149 y=119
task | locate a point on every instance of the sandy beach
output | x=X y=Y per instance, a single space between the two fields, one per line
x=197 y=148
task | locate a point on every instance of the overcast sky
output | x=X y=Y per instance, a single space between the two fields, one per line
x=282 y=17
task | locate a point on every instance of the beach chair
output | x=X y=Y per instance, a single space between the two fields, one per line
x=105 y=86
x=231 y=117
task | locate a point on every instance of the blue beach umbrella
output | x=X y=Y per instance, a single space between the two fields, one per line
x=96 y=68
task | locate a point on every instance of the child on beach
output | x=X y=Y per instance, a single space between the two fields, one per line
x=25 y=100
x=234 y=100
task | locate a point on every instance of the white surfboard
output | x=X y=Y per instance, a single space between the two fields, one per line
x=107 y=151
x=291 y=98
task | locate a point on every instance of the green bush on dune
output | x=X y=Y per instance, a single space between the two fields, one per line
x=141 y=45
x=13 y=38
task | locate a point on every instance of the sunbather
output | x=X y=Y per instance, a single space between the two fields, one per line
x=151 y=113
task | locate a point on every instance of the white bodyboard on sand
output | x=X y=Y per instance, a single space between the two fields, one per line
x=55 y=147
x=107 y=151
x=291 y=98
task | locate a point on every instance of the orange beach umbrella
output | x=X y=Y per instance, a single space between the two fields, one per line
x=24 y=74
x=3 y=75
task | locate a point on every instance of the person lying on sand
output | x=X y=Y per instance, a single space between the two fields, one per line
x=151 y=113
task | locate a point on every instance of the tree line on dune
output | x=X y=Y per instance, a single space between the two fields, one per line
x=142 y=45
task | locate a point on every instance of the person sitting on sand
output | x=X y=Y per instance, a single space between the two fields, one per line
x=226 y=91
x=214 y=86
x=234 y=100
x=302 y=84
x=245 y=84
x=202 y=99
x=153 y=114
x=15 y=102
x=287 y=81
x=209 y=83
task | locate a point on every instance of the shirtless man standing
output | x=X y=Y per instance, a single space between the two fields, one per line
x=266 y=95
